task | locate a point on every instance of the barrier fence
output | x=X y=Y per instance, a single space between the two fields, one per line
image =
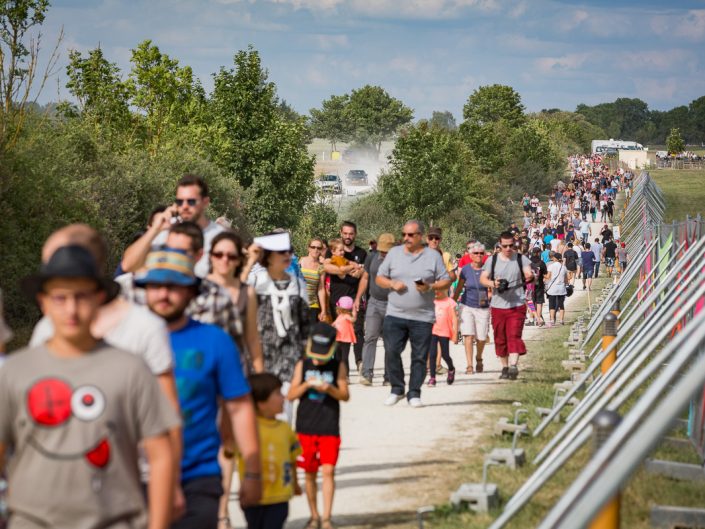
x=649 y=364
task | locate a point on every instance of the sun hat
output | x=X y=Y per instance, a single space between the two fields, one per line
x=321 y=343
x=435 y=230
x=71 y=261
x=167 y=266
x=385 y=242
x=346 y=303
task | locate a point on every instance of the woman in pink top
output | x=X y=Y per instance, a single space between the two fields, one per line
x=444 y=331
x=344 y=325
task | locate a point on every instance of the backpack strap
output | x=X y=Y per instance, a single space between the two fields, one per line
x=521 y=271
x=494 y=263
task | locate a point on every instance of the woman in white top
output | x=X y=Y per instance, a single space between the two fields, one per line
x=556 y=281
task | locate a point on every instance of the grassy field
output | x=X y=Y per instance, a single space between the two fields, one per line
x=684 y=191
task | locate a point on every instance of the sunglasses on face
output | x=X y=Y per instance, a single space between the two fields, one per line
x=190 y=201
x=404 y=234
x=477 y=253
x=229 y=256
x=434 y=238
x=507 y=245
x=316 y=247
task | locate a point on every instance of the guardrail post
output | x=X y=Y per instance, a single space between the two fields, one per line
x=617 y=308
x=609 y=333
x=603 y=425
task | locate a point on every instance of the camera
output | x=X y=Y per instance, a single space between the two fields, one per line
x=503 y=286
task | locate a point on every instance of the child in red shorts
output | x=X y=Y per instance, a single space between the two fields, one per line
x=320 y=383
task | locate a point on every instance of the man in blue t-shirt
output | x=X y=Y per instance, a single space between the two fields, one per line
x=207 y=368
x=588 y=263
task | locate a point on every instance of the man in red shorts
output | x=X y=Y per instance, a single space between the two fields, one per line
x=506 y=274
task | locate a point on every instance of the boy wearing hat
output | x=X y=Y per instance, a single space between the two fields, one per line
x=207 y=369
x=320 y=383
x=74 y=410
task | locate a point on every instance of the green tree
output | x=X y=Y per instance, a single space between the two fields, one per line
x=331 y=121
x=696 y=110
x=19 y=63
x=674 y=142
x=375 y=116
x=163 y=90
x=570 y=131
x=491 y=114
x=103 y=98
x=262 y=150
x=443 y=120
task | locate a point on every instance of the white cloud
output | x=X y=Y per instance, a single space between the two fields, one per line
x=434 y=9
x=519 y=9
x=313 y=5
x=570 y=61
x=578 y=17
x=328 y=42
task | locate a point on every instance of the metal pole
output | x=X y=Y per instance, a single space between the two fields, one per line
x=603 y=425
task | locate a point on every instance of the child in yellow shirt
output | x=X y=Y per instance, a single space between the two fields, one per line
x=279 y=447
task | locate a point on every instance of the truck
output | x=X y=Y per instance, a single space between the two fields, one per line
x=601 y=146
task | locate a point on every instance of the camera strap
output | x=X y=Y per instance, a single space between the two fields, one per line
x=521 y=271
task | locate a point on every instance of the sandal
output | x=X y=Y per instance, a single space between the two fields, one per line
x=478 y=366
x=469 y=371
x=327 y=524
x=313 y=523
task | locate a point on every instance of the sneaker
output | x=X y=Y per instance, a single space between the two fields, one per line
x=432 y=381
x=365 y=381
x=415 y=402
x=513 y=372
x=393 y=399
x=440 y=370
x=505 y=373
x=359 y=366
x=451 y=376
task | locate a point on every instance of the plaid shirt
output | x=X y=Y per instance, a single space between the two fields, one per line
x=213 y=304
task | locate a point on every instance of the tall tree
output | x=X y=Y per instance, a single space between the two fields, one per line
x=331 y=120
x=162 y=89
x=103 y=98
x=262 y=149
x=443 y=120
x=375 y=116
x=674 y=142
x=19 y=63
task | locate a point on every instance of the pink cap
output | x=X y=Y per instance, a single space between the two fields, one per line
x=346 y=303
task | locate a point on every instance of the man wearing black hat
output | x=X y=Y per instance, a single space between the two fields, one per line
x=74 y=410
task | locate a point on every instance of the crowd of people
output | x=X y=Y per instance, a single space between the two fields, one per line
x=145 y=393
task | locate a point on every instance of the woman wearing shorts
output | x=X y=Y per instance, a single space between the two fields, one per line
x=474 y=307
x=556 y=289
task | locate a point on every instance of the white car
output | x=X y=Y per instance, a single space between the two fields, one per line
x=330 y=183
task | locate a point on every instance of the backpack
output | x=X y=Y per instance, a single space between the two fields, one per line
x=521 y=271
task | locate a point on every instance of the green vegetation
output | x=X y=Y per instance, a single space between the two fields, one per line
x=674 y=142
x=631 y=119
x=684 y=191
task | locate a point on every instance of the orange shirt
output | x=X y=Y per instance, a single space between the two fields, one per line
x=346 y=330
x=445 y=308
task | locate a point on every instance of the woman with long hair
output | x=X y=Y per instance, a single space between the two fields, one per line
x=315 y=277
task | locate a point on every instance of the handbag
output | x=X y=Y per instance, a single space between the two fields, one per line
x=569 y=290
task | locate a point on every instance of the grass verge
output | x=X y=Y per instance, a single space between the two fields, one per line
x=684 y=191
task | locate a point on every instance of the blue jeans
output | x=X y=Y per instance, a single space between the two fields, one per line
x=396 y=332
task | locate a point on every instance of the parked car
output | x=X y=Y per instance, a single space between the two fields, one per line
x=330 y=183
x=356 y=177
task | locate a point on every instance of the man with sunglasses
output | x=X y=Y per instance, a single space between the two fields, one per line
x=434 y=237
x=190 y=205
x=413 y=273
x=506 y=274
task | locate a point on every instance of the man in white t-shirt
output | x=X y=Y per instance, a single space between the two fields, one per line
x=585 y=231
x=191 y=203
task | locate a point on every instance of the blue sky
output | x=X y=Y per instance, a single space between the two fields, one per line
x=429 y=53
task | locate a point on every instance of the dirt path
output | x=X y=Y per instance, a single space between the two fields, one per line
x=395 y=460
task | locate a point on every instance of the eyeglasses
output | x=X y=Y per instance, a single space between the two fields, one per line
x=404 y=234
x=190 y=201
x=477 y=253
x=80 y=298
x=507 y=245
x=315 y=247
x=229 y=256
x=434 y=238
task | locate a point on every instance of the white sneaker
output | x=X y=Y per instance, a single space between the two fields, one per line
x=415 y=402
x=393 y=399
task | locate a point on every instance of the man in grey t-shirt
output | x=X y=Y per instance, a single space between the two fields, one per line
x=506 y=273
x=376 y=305
x=412 y=273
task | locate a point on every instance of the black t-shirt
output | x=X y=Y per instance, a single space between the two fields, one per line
x=606 y=235
x=319 y=413
x=538 y=267
x=610 y=249
x=346 y=286
x=571 y=260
